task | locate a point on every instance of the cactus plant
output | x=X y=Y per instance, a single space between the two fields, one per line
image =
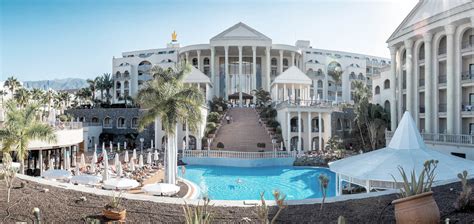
x=464 y=198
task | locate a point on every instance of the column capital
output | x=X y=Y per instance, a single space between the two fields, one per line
x=427 y=37
x=450 y=29
x=226 y=47
x=393 y=50
x=198 y=51
x=408 y=44
x=254 y=48
x=240 y=47
x=281 y=52
x=213 y=49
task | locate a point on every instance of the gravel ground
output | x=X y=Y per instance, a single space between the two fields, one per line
x=61 y=206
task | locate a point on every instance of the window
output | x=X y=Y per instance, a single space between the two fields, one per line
x=118 y=75
x=207 y=67
x=134 y=123
x=126 y=85
x=353 y=75
x=361 y=76
x=320 y=84
x=386 y=84
x=195 y=62
x=274 y=64
x=377 y=90
x=126 y=74
x=107 y=122
x=121 y=122
x=95 y=120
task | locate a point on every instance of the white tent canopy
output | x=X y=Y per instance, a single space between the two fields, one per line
x=407 y=150
x=196 y=76
x=161 y=189
x=293 y=75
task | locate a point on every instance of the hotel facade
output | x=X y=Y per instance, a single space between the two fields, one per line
x=241 y=59
x=432 y=54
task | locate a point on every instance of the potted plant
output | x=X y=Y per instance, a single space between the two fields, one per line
x=417 y=202
x=114 y=210
x=220 y=146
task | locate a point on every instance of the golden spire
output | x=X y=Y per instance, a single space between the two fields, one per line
x=174 y=36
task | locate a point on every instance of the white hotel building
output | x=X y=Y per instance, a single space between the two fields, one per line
x=241 y=59
x=432 y=54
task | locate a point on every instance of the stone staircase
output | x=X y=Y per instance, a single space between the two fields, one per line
x=243 y=133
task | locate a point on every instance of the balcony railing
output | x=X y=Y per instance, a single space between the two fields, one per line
x=468 y=107
x=421 y=82
x=308 y=103
x=467 y=75
x=58 y=125
x=467 y=44
x=442 y=79
x=441 y=138
x=442 y=107
x=422 y=109
x=238 y=155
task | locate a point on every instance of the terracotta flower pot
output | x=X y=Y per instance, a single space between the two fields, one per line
x=421 y=208
x=114 y=215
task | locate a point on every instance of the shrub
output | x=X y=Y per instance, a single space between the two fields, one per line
x=201 y=214
x=464 y=198
x=261 y=145
x=274 y=124
x=220 y=145
x=213 y=117
x=210 y=128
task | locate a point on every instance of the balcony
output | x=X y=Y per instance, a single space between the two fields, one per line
x=404 y=84
x=421 y=82
x=441 y=138
x=442 y=79
x=468 y=107
x=442 y=107
x=467 y=75
x=422 y=109
x=467 y=45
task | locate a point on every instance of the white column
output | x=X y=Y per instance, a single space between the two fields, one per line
x=268 y=79
x=288 y=131
x=450 y=29
x=187 y=57
x=214 y=81
x=285 y=94
x=40 y=158
x=409 y=76
x=254 y=68
x=400 y=84
x=187 y=136
x=310 y=130
x=346 y=88
x=393 y=89
x=299 y=132
x=199 y=59
x=292 y=58
x=276 y=93
x=281 y=61
x=428 y=87
x=320 y=125
x=240 y=75
x=325 y=87
x=226 y=69
x=293 y=95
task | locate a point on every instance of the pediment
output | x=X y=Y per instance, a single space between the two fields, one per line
x=240 y=31
x=424 y=10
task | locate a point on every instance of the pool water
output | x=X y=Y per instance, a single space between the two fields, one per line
x=242 y=183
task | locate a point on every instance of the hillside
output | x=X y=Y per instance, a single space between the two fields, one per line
x=57 y=84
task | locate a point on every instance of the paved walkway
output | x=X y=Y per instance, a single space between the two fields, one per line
x=243 y=133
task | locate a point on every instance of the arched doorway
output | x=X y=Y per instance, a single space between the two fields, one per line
x=191 y=143
x=315 y=143
x=294 y=144
x=294 y=124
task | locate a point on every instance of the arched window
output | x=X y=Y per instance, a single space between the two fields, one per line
x=353 y=75
x=294 y=124
x=347 y=124
x=320 y=72
x=207 y=67
x=361 y=76
x=126 y=74
x=339 y=125
x=377 y=90
x=107 y=122
x=134 y=123
x=386 y=106
x=118 y=85
x=118 y=75
x=320 y=84
x=285 y=62
x=315 y=144
x=386 y=84
x=144 y=63
x=442 y=46
x=421 y=52
x=121 y=122
x=192 y=142
x=195 y=62
x=274 y=66
x=95 y=120
x=126 y=85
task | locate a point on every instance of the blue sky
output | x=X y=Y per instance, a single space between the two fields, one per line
x=48 y=39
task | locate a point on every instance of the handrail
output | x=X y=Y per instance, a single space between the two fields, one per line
x=58 y=125
x=238 y=155
x=442 y=138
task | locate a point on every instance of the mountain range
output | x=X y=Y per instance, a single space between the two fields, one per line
x=57 y=84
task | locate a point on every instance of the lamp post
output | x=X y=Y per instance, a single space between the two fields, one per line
x=141 y=145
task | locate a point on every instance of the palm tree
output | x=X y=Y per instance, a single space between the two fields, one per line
x=22 y=97
x=93 y=86
x=2 y=94
x=84 y=95
x=107 y=84
x=337 y=76
x=21 y=127
x=37 y=95
x=167 y=98
x=12 y=83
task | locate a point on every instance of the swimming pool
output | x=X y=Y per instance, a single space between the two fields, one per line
x=243 y=183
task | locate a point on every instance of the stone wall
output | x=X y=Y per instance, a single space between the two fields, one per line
x=116 y=134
